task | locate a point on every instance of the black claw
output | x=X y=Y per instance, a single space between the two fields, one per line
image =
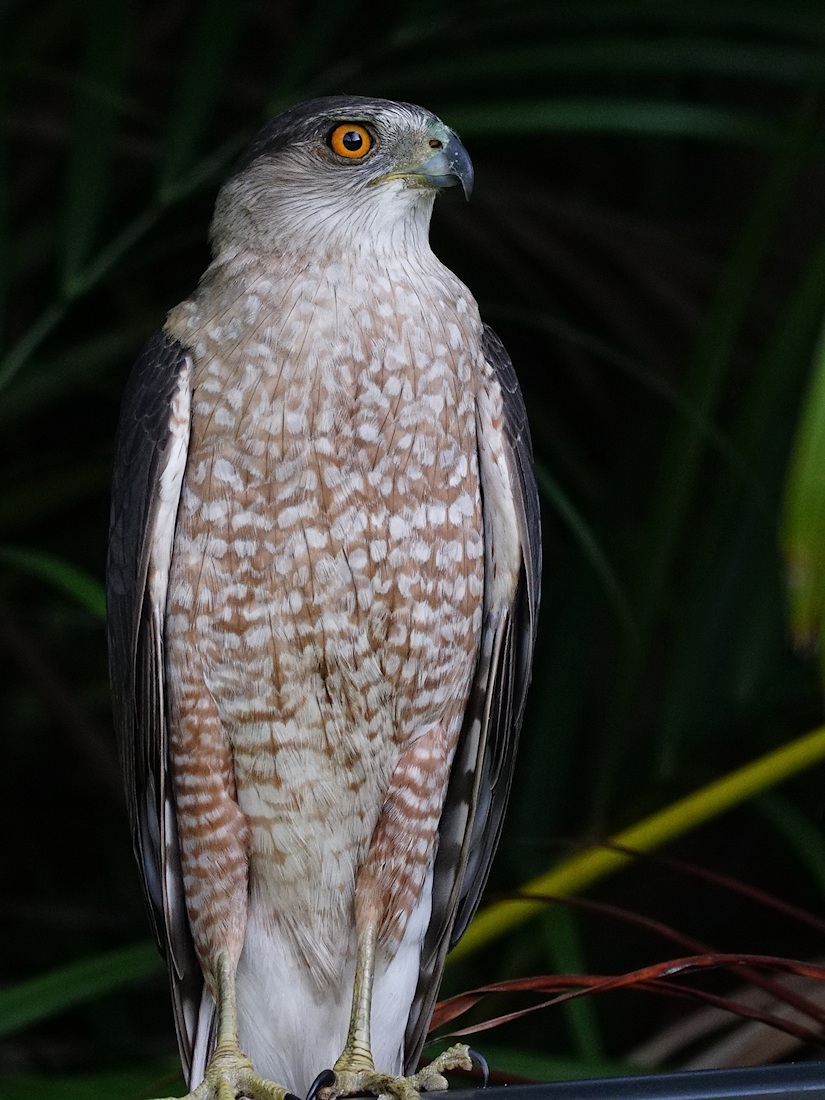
x=324 y=1079
x=481 y=1062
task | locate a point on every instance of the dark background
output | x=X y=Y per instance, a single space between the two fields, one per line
x=647 y=234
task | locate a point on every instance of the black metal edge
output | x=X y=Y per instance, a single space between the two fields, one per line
x=805 y=1079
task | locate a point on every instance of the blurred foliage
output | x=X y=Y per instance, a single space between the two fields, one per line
x=648 y=236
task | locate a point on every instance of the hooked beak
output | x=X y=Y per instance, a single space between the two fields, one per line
x=444 y=165
x=448 y=166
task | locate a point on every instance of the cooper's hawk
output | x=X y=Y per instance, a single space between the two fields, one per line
x=323 y=586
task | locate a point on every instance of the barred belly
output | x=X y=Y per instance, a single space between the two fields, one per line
x=337 y=513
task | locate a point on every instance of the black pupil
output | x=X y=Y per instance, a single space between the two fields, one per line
x=352 y=140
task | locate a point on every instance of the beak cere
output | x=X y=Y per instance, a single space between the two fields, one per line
x=448 y=166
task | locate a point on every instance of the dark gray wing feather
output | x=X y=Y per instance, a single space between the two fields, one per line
x=136 y=663
x=482 y=769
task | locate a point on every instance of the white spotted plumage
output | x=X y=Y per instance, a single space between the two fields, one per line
x=354 y=551
x=298 y=436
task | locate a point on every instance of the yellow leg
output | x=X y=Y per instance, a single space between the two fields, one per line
x=357 y=1053
x=230 y=1073
x=355 y=1071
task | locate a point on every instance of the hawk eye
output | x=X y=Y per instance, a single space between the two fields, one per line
x=350 y=140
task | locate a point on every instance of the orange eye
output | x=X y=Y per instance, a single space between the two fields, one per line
x=350 y=140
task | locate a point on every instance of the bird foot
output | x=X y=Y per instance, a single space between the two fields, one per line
x=430 y=1077
x=355 y=1082
x=230 y=1076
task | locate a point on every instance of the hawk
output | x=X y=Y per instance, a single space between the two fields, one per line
x=322 y=590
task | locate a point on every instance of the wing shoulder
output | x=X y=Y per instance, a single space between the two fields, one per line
x=509 y=626
x=143 y=448
x=150 y=457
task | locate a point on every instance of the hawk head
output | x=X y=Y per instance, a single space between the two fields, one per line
x=337 y=165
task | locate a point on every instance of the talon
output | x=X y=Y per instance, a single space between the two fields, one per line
x=481 y=1062
x=324 y=1080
